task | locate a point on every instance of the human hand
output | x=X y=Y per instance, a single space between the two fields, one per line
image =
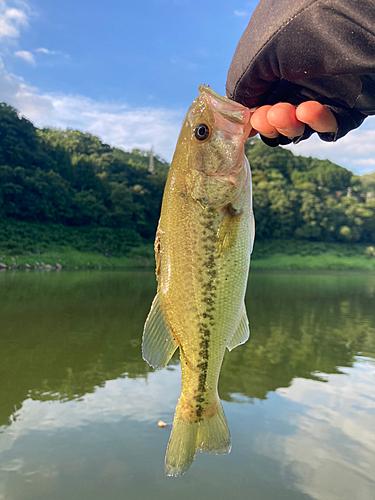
x=283 y=118
x=303 y=53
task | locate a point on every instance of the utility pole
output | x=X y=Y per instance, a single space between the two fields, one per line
x=151 y=166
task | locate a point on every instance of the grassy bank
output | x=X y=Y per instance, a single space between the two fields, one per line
x=299 y=255
x=70 y=258
x=268 y=254
x=315 y=262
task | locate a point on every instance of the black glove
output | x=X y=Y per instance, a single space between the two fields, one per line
x=300 y=50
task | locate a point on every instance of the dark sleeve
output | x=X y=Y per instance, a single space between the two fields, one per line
x=299 y=50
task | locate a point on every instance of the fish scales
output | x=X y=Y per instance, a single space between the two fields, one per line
x=202 y=249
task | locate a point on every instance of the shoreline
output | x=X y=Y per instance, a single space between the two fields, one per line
x=305 y=271
x=268 y=265
x=268 y=255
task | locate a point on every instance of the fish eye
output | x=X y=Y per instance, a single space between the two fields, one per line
x=202 y=132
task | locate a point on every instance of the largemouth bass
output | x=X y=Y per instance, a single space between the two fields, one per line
x=202 y=250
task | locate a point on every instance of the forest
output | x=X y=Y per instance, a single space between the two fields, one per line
x=66 y=187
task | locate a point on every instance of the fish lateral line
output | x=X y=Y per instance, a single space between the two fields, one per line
x=183 y=358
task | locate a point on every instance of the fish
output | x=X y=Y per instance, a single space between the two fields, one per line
x=203 y=244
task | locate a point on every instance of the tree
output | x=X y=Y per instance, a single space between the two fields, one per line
x=19 y=144
x=73 y=178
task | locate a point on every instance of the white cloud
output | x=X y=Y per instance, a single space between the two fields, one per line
x=137 y=399
x=115 y=123
x=12 y=19
x=44 y=54
x=365 y=161
x=331 y=453
x=355 y=151
x=26 y=56
x=240 y=13
x=44 y=51
x=117 y=403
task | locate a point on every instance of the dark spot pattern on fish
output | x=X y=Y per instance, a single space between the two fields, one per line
x=208 y=285
x=203 y=365
x=198 y=412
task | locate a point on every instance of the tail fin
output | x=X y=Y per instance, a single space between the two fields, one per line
x=209 y=434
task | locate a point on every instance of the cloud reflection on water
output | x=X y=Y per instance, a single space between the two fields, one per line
x=79 y=406
x=332 y=451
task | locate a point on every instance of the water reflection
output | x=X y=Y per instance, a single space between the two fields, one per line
x=300 y=326
x=332 y=449
x=63 y=335
x=78 y=406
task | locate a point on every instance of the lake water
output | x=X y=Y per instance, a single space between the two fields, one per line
x=79 y=407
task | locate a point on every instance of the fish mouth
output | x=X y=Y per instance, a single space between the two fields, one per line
x=231 y=110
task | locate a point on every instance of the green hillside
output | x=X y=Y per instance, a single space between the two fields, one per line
x=306 y=198
x=368 y=182
x=65 y=190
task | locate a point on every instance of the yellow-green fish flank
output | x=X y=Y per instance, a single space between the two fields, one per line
x=202 y=250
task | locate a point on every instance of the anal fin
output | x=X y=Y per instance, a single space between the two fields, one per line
x=242 y=332
x=158 y=343
x=252 y=231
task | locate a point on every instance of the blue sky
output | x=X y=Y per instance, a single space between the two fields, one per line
x=128 y=70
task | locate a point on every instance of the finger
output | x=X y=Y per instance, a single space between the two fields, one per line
x=260 y=123
x=283 y=117
x=317 y=116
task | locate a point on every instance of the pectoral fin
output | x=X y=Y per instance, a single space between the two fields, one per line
x=228 y=231
x=158 y=342
x=242 y=332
